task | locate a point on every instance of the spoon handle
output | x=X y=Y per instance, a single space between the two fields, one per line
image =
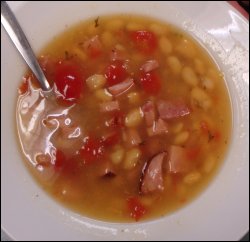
x=18 y=37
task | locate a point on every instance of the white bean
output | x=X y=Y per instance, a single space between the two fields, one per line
x=134 y=118
x=177 y=127
x=192 y=178
x=174 y=64
x=103 y=95
x=207 y=83
x=181 y=138
x=133 y=98
x=199 y=66
x=186 y=49
x=189 y=76
x=209 y=164
x=165 y=45
x=117 y=155
x=96 y=81
x=132 y=157
x=201 y=98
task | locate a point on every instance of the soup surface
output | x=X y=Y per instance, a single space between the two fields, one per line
x=136 y=124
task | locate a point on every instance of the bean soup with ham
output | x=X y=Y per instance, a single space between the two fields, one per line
x=136 y=124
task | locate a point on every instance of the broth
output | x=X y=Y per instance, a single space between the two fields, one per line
x=137 y=123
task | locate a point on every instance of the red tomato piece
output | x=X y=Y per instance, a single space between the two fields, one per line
x=136 y=209
x=68 y=81
x=150 y=82
x=92 y=150
x=145 y=41
x=60 y=159
x=116 y=72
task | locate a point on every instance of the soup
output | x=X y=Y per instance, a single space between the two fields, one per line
x=136 y=124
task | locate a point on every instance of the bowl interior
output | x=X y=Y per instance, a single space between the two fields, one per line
x=26 y=206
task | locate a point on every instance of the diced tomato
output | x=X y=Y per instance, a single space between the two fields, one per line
x=116 y=72
x=60 y=159
x=172 y=109
x=145 y=41
x=192 y=153
x=136 y=209
x=69 y=81
x=92 y=150
x=150 y=82
x=111 y=138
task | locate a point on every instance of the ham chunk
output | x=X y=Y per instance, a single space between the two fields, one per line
x=150 y=66
x=170 y=109
x=159 y=127
x=177 y=160
x=152 y=178
x=121 y=87
x=109 y=106
x=149 y=113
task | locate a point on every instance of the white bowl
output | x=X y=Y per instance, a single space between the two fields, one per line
x=221 y=212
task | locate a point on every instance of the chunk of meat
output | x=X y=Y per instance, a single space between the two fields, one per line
x=121 y=87
x=171 y=109
x=159 y=127
x=152 y=178
x=133 y=137
x=149 y=113
x=178 y=161
x=150 y=65
x=109 y=106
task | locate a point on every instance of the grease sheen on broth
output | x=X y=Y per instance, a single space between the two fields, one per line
x=138 y=122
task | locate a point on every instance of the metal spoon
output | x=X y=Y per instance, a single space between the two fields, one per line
x=18 y=37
